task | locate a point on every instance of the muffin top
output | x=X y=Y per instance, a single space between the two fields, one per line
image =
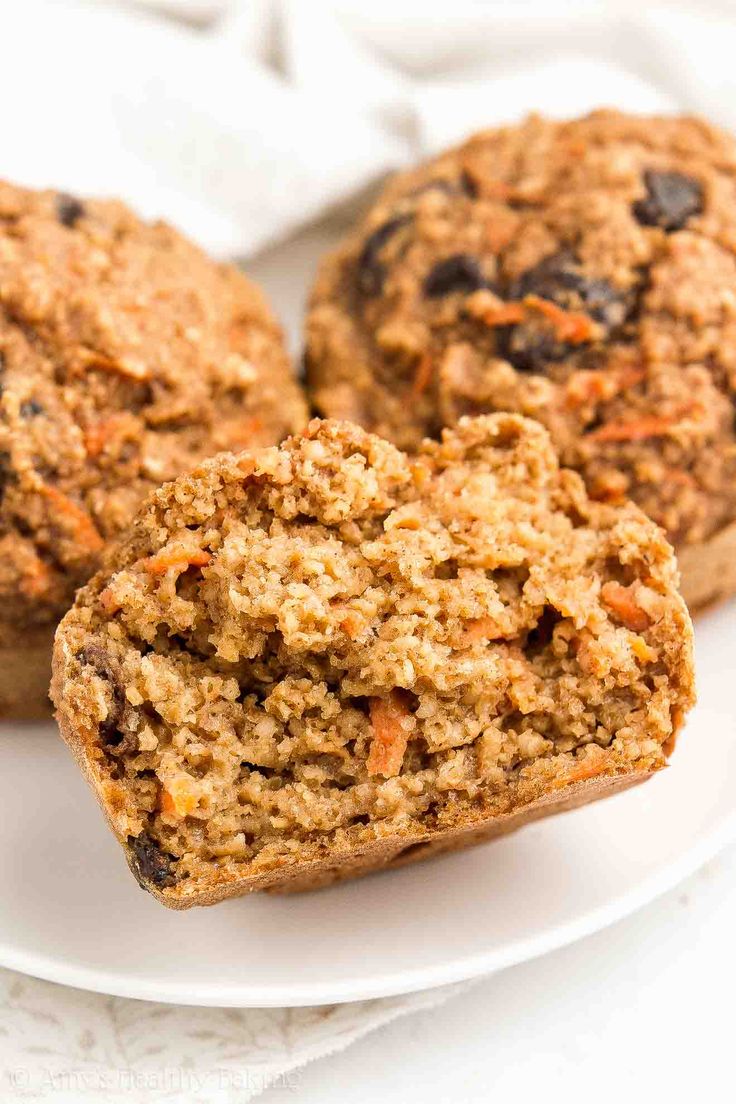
x=334 y=640
x=583 y=273
x=126 y=355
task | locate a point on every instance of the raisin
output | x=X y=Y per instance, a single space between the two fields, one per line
x=96 y=657
x=5 y=472
x=370 y=271
x=468 y=185
x=150 y=863
x=30 y=409
x=68 y=209
x=671 y=199
x=457 y=273
x=559 y=278
x=530 y=347
x=462 y=186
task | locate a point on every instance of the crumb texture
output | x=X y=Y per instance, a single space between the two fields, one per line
x=126 y=355
x=583 y=273
x=302 y=651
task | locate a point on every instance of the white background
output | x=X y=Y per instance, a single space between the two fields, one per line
x=642 y=1011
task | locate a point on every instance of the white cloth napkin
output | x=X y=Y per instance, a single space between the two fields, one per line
x=240 y=122
x=65 y=1046
x=253 y=116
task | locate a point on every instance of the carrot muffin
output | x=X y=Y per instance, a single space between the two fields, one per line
x=126 y=355
x=583 y=273
x=306 y=662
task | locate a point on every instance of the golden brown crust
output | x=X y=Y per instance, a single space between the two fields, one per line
x=25 y=671
x=404 y=853
x=304 y=660
x=126 y=355
x=583 y=273
x=708 y=569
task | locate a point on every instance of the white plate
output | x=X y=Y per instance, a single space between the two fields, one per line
x=71 y=912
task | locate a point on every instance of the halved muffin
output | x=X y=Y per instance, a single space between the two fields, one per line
x=310 y=661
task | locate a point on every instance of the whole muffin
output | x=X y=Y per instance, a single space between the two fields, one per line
x=126 y=355
x=306 y=662
x=583 y=273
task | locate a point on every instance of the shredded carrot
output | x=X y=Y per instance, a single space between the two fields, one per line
x=36 y=579
x=351 y=624
x=407 y=521
x=506 y=314
x=177 y=799
x=620 y=601
x=423 y=375
x=483 y=628
x=390 y=736
x=593 y=386
x=571 y=327
x=642 y=650
x=580 y=773
x=108 y=601
x=99 y=435
x=83 y=529
x=166 y=802
x=165 y=560
x=653 y=425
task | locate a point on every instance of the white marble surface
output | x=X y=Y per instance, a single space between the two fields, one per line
x=641 y=1011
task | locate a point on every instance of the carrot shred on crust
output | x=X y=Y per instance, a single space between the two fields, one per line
x=596 y=386
x=37 y=578
x=390 y=734
x=100 y=434
x=639 y=429
x=621 y=602
x=571 y=327
x=423 y=375
x=506 y=314
x=165 y=560
x=83 y=529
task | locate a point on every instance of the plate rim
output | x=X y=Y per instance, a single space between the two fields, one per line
x=396 y=983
